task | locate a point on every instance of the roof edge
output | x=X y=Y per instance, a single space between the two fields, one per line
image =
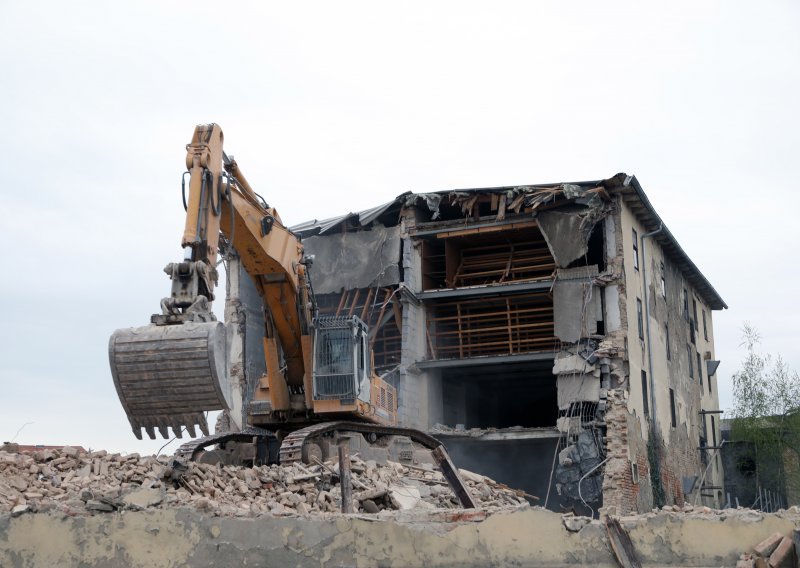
x=702 y=284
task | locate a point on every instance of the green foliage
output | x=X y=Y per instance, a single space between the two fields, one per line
x=766 y=411
x=654 y=459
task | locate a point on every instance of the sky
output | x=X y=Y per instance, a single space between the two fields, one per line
x=331 y=107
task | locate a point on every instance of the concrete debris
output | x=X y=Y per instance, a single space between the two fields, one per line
x=768 y=545
x=775 y=551
x=80 y=483
x=573 y=523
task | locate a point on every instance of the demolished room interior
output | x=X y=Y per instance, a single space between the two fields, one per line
x=501 y=315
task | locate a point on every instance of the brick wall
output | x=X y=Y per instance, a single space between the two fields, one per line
x=625 y=446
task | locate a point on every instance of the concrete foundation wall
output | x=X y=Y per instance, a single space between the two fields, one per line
x=530 y=537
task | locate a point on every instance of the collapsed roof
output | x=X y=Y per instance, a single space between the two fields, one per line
x=530 y=198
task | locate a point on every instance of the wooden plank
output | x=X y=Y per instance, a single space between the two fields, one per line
x=621 y=544
x=508 y=325
x=366 y=305
x=398 y=316
x=486 y=229
x=460 y=332
x=450 y=473
x=345 y=480
x=501 y=207
x=430 y=343
x=379 y=322
x=342 y=300
x=355 y=302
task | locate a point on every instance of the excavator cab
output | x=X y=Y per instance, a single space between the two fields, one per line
x=341 y=359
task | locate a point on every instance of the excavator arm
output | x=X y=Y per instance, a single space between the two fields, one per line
x=170 y=373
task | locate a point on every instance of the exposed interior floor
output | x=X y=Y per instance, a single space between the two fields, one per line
x=500 y=395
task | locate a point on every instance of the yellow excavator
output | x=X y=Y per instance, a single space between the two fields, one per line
x=318 y=388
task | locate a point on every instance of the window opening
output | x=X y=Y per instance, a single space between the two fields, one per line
x=635 y=250
x=685 y=305
x=669 y=354
x=705 y=327
x=691 y=362
x=699 y=369
x=640 y=319
x=672 y=408
x=645 y=402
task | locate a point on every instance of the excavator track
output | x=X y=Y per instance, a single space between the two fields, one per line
x=292 y=447
x=190 y=450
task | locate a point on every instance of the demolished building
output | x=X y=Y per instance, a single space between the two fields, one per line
x=555 y=337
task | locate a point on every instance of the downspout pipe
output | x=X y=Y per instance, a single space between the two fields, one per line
x=647 y=325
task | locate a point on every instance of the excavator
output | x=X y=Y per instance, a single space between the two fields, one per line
x=319 y=386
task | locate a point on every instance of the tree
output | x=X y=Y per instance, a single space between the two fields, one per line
x=766 y=415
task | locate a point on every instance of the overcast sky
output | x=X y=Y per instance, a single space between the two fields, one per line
x=337 y=106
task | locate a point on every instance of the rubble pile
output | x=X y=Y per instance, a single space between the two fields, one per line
x=77 y=483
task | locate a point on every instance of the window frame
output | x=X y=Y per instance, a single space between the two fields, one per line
x=640 y=318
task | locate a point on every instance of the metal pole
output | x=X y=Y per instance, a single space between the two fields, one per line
x=344 y=478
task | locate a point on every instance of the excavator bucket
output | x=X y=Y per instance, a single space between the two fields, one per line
x=170 y=375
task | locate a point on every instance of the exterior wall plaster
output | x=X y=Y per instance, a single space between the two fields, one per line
x=529 y=537
x=681 y=459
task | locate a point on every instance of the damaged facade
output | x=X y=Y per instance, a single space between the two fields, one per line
x=555 y=337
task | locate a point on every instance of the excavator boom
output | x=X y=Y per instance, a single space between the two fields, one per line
x=170 y=373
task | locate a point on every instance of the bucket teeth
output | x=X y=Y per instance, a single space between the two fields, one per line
x=203 y=425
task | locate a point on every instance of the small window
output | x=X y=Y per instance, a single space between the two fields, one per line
x=705 y=327
x=663 y=282
x=699 y=370
x=645 y=401
x=685 y=305
x=709 y=384
x=640 y=319
x=691 y=361
x=669 y=349
x=672 y=408
x=694 y=312
x=635 y=250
